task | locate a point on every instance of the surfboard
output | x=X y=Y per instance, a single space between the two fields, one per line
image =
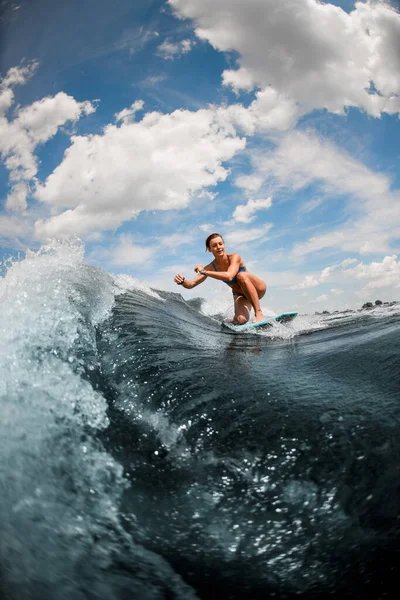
x=282 y=318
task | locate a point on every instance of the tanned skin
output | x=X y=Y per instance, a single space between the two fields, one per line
x=228 y=266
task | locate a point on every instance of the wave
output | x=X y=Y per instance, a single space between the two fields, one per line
x=148 y=453
x=61 y=529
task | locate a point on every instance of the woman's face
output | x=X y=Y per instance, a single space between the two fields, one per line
x=217 y=246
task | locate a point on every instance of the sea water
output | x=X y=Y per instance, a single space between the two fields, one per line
x=146 y=452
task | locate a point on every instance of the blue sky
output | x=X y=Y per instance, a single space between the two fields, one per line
x=144 y=128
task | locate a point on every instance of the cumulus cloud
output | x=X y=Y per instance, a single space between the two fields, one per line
x=310 y=281
x=311 y=55
x=269 y=112
x=31 y=126
x=313 y=280
x=245 y=213
x=169 y=50
x=379 y=274
x=157 y=163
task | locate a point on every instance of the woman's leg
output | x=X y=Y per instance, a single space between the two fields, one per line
x=254 y=288
x=242 y=309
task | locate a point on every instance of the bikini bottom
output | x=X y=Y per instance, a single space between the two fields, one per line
x=239 y=295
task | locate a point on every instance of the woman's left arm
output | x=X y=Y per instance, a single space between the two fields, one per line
x=222 y=275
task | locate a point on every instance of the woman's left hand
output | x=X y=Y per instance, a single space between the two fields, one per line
x=199 y=268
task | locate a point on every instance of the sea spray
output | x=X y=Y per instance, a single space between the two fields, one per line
x=60 y=531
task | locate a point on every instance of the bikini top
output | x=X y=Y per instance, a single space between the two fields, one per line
x=234 y=280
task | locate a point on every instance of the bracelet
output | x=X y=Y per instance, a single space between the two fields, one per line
x=182 y=282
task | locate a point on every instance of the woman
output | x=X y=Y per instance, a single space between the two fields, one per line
x=247 y=289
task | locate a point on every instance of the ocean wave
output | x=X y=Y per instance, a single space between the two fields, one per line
x=145 y=453
x=61 y=490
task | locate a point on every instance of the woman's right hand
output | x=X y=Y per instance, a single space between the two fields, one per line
x=179 y=279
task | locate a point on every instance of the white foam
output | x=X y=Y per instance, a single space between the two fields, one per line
x=54 y=472
x=126 y=283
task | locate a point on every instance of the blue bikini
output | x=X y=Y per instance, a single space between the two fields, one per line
x=234 y=280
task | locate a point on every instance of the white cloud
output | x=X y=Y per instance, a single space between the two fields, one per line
x=127 y=114
x=347 y=262
x=245 y=213
x=206 y=194
x=16 y=199
x=42 y=119
x=312 y=54
x=272 y=110
x=310 y=281
x=314 y=280
x=158 y=163
x=243 y=236
x=169 y=50
x=301 y=159
x=31 y=126
x=371 y=234
x=18 y=75
x=152 y=81
x=379 y=274
x=250 y=183
x=12 y=227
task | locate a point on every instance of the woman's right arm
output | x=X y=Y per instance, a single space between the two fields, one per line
x=189 y=284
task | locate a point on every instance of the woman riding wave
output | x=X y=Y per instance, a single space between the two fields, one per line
x=247 y=289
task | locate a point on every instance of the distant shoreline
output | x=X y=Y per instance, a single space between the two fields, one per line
x=365 y=306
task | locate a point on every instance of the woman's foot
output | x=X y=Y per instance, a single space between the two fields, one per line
x=259 y=316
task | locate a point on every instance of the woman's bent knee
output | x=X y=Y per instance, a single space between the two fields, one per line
x=242 y=276
x=241 y=319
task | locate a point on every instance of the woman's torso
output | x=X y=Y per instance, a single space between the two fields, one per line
x=233 y=282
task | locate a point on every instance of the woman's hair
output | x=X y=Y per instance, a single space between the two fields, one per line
x=211 y=237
